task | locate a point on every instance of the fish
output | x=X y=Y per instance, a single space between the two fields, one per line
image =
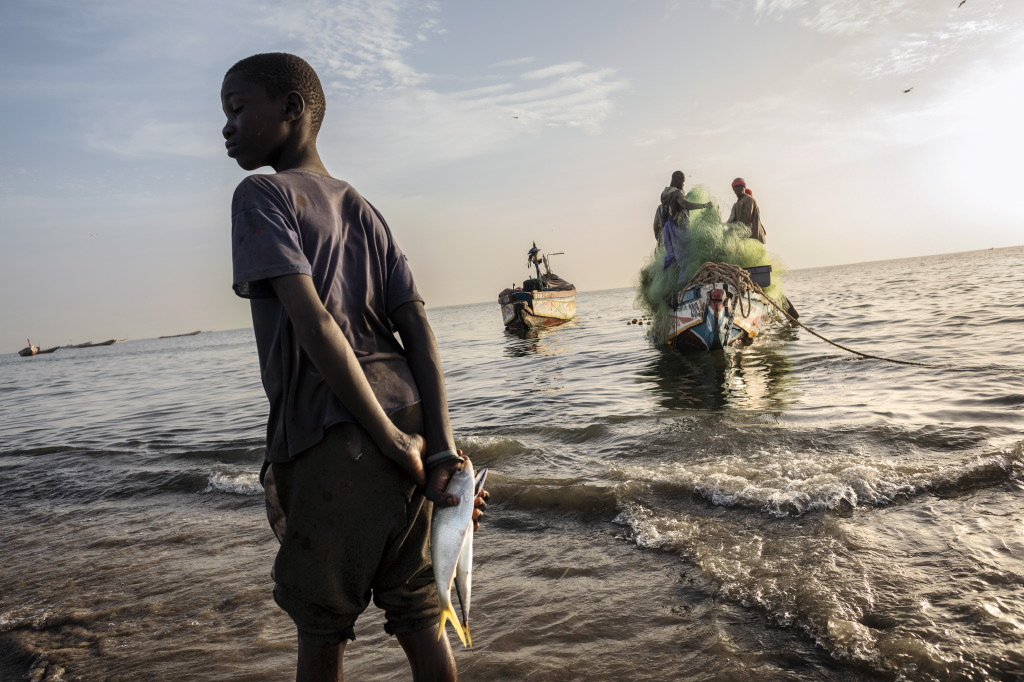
x=464 y=566
x=451 y=550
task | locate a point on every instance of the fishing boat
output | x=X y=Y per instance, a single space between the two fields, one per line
x=90 y=344
x=543 y=301
x=720 y=307
x=29 y=350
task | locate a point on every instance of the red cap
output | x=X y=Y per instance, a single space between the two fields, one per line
x=739 y=181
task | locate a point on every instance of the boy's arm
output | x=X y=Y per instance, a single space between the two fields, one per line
x=326 y=345
x=410 y=319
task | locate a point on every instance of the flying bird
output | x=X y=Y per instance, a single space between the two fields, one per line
x=908 y=89
x=961 y=4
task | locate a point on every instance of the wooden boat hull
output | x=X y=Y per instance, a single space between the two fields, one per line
x=534 y=309
x=712 y=316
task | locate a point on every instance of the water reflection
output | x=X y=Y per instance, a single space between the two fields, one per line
x=545 y=341
x=752 y=378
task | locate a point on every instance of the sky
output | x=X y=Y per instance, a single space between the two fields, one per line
x=477 y=128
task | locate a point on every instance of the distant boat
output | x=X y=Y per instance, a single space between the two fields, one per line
x=174 y=336
x=543 y=301
x=89 y=344
x=718 y=308
x=31 y=350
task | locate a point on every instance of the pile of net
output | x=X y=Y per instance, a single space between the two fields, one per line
x=712 y=241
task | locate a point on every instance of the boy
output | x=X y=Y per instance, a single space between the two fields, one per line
x=353 y=414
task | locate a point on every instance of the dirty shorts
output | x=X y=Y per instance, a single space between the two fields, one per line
x=352 y=525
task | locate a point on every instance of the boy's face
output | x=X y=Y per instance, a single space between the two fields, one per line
x=256 y=129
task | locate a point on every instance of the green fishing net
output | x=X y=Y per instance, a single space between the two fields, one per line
x=710 y=241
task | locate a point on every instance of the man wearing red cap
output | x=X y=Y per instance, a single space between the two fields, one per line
x=745 y=210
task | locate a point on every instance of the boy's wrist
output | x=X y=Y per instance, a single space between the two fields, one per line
x=441 y=457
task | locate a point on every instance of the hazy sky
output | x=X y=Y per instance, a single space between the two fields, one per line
x=478 y=127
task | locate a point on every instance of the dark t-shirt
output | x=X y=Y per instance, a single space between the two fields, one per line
x=300 y=222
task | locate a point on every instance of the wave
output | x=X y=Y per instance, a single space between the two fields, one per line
x=872 y=590
x=491 y=450
x=235 y=484
x=784 y=484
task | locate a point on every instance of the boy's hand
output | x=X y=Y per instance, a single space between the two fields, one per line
x=407 y=451
x=438 y=478
x=479 y=505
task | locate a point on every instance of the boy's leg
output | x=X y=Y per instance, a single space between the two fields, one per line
x=430 y=658
x=319 y=663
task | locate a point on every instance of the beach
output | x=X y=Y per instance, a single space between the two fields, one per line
x=783 y=511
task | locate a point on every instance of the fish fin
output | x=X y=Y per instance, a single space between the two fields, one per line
x=478 y=482
x=462 y=601
x=448 y=614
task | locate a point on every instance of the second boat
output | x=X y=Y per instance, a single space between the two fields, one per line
x=543 y=301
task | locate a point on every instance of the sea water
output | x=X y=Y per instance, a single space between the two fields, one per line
x=784 y=511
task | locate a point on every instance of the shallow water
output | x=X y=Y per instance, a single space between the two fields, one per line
x=785 y=511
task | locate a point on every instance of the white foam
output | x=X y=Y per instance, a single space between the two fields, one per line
x=784 y=484
x=237 y=484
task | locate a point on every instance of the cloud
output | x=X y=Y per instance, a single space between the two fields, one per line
x=520 y=61
x=135 y=101
x=657 y=136
x=359 y=43
x=418 y=127
x=158 y=138
x=551 y=71
x=917 y=52
x=844 y=17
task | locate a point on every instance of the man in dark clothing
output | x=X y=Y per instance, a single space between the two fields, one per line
x=674 y=207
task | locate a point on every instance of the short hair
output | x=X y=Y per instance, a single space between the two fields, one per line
x=281 y=73
x=678 y=175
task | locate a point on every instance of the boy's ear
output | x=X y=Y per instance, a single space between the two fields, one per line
x=294 y=106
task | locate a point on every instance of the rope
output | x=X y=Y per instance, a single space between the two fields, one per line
x=712 y=273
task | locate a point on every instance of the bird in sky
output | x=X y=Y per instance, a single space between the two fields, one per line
x=908 y=89
x=961 y=4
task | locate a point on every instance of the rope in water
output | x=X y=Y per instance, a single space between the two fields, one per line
x=712 y=273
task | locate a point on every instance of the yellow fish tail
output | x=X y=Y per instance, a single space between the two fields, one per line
x=448 y=614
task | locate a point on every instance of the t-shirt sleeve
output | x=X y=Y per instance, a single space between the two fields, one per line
x=401 y=287
x=265 y=239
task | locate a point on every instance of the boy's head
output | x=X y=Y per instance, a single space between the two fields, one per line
x=272 y=102
x=281 y=73
x=677 y=179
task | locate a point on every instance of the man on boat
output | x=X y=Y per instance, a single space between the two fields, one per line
x=745 y=210
x=674 y=207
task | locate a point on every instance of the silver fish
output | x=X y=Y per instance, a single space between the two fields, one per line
x=451 y=549
x=464 y=567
